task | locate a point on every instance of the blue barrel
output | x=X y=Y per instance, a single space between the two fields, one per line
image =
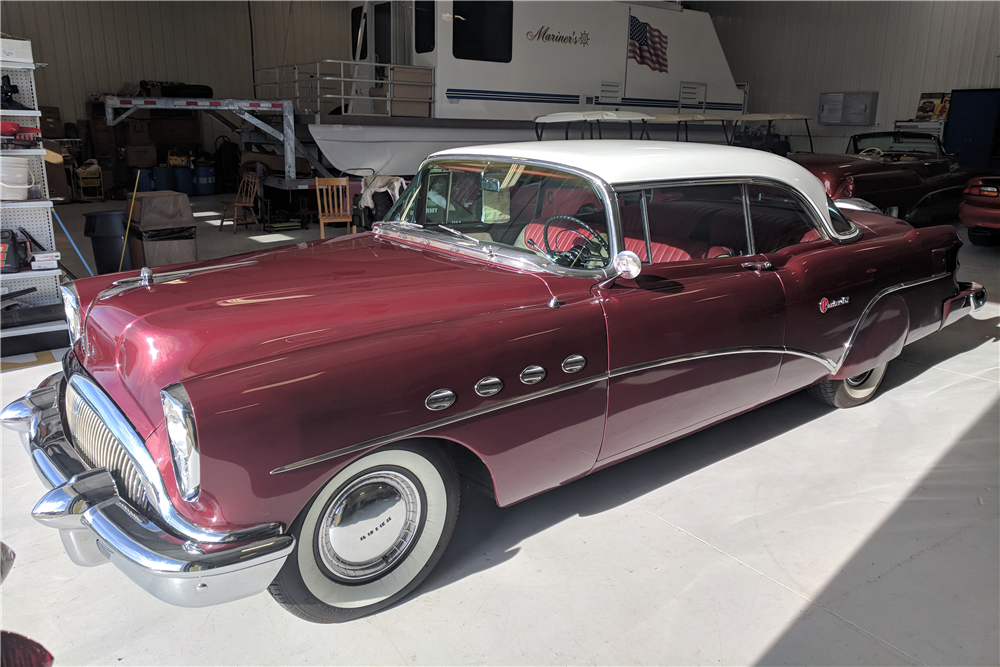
x=145 y=179
x=163 y=178
x=204 y=180
x=183 y=180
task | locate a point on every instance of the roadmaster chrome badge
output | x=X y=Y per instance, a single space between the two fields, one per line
x=825 y=304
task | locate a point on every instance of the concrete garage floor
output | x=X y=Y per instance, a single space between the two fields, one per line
x=795 y=534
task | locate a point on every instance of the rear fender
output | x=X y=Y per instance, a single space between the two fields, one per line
x=879 y=339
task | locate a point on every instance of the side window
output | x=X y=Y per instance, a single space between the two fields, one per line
x=483 y=30
x=355 y=27
x=777 y=219
x=423 y=26
x=685 y=223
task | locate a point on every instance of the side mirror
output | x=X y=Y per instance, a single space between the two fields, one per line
x=627 y=264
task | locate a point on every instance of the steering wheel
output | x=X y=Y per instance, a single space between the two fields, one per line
x=872 y=151
x=575 y=254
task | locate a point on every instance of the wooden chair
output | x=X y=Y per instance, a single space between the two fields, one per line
x=334 y=203
x=243 y=213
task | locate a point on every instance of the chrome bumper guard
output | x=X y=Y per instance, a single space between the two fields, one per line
x=97 y=526
x=971 y=297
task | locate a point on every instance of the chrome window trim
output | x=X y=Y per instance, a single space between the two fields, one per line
x=513 y=259
x=830 y=365
x=645 y=227
x=747 y=224
x=816 y=215
x=152 y=482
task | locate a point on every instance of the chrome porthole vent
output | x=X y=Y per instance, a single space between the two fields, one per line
x=489 y=386
x=574 y=363
x=532 y=375
x=440 y=399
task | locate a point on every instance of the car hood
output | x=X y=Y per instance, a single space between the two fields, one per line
x=260 y=306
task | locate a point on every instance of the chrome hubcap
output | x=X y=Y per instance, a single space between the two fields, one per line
x=859 y=380
x=370 y=526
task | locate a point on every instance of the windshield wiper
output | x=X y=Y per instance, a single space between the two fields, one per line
x=403 y=224
x=462 y=234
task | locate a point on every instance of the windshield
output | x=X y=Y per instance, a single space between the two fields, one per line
x=896 y=143
x=537 y=210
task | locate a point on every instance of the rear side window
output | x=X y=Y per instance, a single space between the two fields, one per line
x=777 y=219
x=483 y=30
x=676 y=224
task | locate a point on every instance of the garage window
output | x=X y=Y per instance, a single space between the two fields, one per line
x=423 y=26
x=483 y=31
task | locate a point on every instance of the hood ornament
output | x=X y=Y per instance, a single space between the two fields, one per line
x=147 y=278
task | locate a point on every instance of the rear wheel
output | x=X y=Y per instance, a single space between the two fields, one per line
x=982 y=236
x=851 y=391
x=371 y=535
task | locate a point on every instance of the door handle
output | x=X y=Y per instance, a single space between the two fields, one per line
x=757 y=266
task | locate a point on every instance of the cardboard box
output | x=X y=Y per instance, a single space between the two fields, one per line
x=182 y=133
x=140 y=156
x=16 y=50
x=50 y=124
x=101 y=136
x=137 y=133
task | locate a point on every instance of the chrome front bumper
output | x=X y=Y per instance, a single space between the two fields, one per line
x=971 y=297
x=97 y=526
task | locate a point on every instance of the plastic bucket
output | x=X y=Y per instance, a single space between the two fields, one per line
x=145 y=179
x=15 y=179
x=183 y=180
x=106 y=230
x=204 y=180
x=163 y=178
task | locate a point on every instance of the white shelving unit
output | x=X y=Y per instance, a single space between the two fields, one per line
x=35 y=214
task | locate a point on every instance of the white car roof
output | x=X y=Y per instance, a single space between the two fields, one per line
x=635 y=161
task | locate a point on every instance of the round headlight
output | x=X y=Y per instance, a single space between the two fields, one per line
x=183 y=438
x=71 y=307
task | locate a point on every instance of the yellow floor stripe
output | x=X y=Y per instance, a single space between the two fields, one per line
x=45 y=357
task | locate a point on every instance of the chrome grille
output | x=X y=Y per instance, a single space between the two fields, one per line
x=99 y=448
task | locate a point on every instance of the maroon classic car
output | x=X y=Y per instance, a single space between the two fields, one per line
x=980 y=210
x=906 y=175
x=296 y=420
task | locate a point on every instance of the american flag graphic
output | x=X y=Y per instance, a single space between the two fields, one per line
x=647 y=45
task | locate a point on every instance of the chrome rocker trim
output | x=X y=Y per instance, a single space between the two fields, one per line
x=96 y=525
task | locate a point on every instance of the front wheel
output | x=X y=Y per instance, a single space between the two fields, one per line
x=851 y=391
x=371 y=535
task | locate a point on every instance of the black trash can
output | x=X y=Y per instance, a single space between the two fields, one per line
x=106 y=230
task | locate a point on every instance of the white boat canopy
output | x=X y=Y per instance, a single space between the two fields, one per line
x=685 y=118
x=588 y=117
x=770 y=118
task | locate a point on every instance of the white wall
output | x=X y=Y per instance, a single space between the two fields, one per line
x=790 y=52
x=93 y=47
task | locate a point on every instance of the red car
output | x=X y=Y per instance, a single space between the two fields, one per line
x=906 y=175
x=980 y=210
x=296 y=420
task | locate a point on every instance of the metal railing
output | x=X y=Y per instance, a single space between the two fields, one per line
x=360 y=88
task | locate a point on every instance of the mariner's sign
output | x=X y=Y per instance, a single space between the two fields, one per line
x=544 y=34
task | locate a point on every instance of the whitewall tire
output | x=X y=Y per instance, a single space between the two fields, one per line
x=851 y=391
x=371 y=534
